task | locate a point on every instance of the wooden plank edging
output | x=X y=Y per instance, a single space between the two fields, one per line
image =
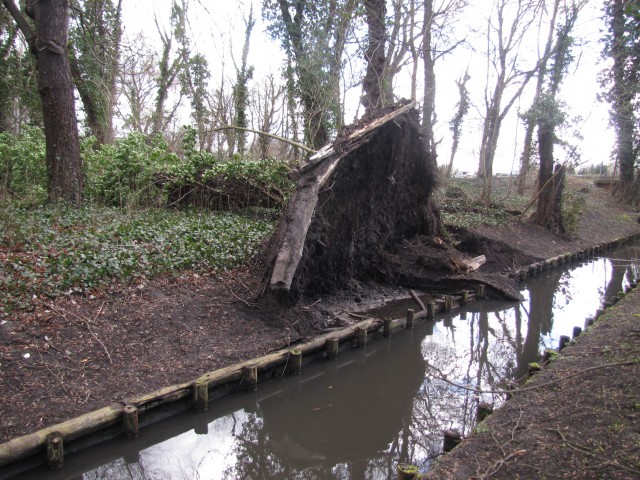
x=30 y=444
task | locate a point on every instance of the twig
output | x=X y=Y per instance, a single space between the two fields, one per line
x=533 y=387
x=86 y=323
x=500 y=463
x=96 y=337
x=586 y=451
x=308 y=307
x=417 y=299
x=51 y=371
x=234 y=294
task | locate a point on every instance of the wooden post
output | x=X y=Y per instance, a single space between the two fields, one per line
x=484 y=410
x=201 y=425
x=448 y=303
x=250 y=378
x=410 y=317
x=576 y=331
x=452 y=438
x=548 y=355
x=200 y=395
x=386 y=328
x=55 y=450
x=361 y=337
x=533 y=368
x=431 y=310
x=332 y=345
x=564 y=341
x=295 y=361
x=512 y=386
x=408 y=472
x=130 y=420
x=465 y=297
x=480 y=292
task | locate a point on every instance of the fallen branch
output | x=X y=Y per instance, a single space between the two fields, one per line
x=86 y=323
x=96 y=337
x=443 y=377
x=417 y=299
x=270 y=135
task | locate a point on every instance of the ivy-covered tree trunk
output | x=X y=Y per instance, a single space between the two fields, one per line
x=429 y=102
x=550 y=183
x=64 y=164
x=626 y=74
x=49 y=44
x=95 y=57
x=373 y=87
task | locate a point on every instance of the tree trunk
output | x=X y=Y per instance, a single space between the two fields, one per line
x=525 y=159
x=372 y=84
x=64 y=164
x=623 y=112
x=49 y=44
x=550 y=184
x=428 y=105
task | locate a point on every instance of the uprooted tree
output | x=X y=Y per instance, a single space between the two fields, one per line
x=363 y=212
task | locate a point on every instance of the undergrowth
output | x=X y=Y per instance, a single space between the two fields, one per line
x=460 y=205
x=52 y=251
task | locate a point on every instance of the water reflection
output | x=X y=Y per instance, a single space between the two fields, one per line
x=357 y=417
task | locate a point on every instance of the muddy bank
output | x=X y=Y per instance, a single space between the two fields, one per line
x=578 y=418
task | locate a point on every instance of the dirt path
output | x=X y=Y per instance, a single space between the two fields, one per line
x=579 y=418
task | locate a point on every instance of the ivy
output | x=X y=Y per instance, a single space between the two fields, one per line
x=51 y=251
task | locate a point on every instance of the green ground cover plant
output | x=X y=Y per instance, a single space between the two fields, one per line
x=49 y=251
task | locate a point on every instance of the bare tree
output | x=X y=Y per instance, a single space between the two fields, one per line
x=168 y=70
x=137 y=86
x=266 y=109
x=438 y=40
x=462 y=108
x=507 y=26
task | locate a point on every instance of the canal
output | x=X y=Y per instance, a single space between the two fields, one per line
x=356 y=417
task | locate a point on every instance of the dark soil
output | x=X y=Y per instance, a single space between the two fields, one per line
x=579 y=418
x=79 y=353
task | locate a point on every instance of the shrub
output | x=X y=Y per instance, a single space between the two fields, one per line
x=122 y=174
x=23 y=172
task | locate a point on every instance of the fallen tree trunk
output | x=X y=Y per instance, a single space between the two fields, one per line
x=363 y=211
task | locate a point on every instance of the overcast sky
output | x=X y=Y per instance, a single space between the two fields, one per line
x=218 y=29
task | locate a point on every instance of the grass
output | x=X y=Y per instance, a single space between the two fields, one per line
x=52 y=251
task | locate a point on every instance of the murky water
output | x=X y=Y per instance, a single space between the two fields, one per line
x=357 y=417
